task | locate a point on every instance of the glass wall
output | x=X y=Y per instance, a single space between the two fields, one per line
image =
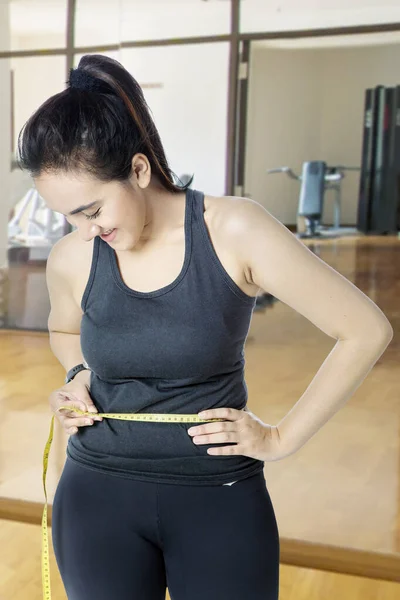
x=135 y=20
x=35 y=78
x=104 y=29
x=290 y=15
x=158 y=19
x=35 y=24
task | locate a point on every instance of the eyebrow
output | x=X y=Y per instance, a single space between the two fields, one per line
x=81 y=208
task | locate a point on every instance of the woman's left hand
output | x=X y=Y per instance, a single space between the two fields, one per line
x=251 y=436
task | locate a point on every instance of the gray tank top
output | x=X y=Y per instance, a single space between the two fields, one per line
x=178 y=349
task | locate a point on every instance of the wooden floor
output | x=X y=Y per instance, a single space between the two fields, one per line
x=337 y=500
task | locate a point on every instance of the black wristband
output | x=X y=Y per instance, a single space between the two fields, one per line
x=75 y=370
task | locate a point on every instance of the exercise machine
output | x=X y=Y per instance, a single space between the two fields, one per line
x=42 y=229
x=316 y=179
x=379 y=192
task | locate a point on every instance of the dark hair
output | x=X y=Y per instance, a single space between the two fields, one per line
x=96 y=131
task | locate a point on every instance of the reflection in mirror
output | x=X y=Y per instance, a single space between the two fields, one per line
x=308 y=98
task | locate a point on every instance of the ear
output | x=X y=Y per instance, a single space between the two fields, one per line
x=141 y=170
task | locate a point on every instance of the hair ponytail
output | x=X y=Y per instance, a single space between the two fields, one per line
x=97 y=131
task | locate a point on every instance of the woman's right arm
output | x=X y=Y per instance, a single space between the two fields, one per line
x=64 y=324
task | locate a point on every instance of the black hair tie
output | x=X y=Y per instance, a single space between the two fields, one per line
x=82 y=80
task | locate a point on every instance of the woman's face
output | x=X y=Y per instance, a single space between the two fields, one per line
x=115 y=205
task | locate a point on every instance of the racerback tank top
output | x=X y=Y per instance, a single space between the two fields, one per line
x=178 y=349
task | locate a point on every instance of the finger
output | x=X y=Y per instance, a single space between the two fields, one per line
x=225 y=451
x=77 y=422
x=75 y=406
x=86 y=405
x=216 y=438
x=70 y=413
x=213 y=428
x=73 y=403
x=75 y=415
x=89 y=406
x=231 y=414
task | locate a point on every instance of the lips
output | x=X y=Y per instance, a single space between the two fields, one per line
x=109 y=237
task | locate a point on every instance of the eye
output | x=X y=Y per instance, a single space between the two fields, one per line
x=96 y=214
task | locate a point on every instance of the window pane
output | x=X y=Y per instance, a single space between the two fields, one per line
x=289 y=15
x=35 y=78
x=31 y=228
x=136 y=20
x=158 y=19
x=33 y=24
x=187 y=89
x=104 y=28
x=5 y=164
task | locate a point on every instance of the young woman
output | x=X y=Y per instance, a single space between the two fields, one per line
x=151 y=301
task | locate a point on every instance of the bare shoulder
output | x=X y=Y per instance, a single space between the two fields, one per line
x=233 y=213
x=225 y=213
x=70 y=250
x=74 y=256
x=241 y=218
x=224 y=220
x=226 y=204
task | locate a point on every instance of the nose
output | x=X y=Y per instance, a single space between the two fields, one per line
x=88 y=231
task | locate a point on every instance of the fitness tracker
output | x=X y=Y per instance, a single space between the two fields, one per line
x=75 y=370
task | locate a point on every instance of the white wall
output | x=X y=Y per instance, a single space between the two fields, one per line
x=36 y=78
x=190 y=110
x=323 y=90
x=283 y=120
x=5 y=137
x=286 y=15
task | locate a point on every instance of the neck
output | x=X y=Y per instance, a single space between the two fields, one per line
x=164 y=214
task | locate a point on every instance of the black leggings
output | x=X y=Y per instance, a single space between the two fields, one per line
x=114 y=537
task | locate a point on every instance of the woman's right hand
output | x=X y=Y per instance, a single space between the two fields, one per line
x=76 y=394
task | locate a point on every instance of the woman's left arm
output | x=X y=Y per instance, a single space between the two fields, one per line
x=280 y=264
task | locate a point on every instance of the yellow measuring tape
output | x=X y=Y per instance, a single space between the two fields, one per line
x=158 y=418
